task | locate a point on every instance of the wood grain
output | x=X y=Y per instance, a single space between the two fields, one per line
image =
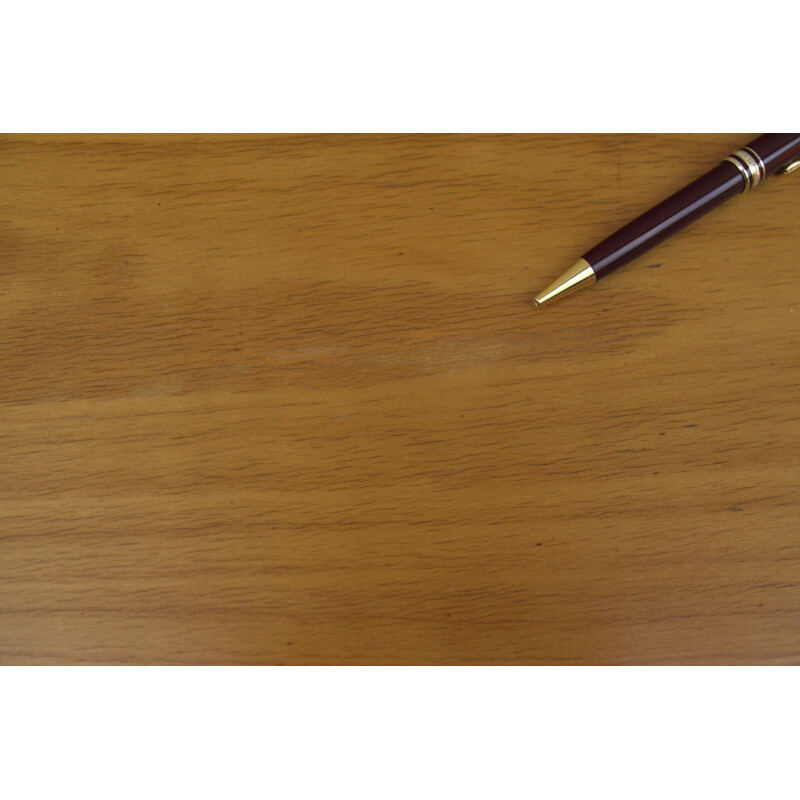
x=283 y=399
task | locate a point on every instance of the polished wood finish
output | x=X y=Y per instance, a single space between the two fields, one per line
x=285 y=400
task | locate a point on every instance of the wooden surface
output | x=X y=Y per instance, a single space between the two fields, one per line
x=285 y=400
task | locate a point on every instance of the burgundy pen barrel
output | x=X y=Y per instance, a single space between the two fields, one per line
x=776 y=149
x=665 y=219
x=742 y=170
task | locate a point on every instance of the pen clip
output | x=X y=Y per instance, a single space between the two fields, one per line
x=789 y=168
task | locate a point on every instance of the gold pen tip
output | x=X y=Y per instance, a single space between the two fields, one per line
x=578 y=275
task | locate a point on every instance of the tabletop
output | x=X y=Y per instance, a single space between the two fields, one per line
x=285 y=400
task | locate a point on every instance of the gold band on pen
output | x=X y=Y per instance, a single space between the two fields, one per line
x=752 y=169
x=761 y=168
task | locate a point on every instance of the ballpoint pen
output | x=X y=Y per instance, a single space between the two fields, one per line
x=740 y=171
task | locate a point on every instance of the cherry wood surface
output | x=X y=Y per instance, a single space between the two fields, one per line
x=285 y=400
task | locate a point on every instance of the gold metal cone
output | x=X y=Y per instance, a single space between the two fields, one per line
x=578 y=275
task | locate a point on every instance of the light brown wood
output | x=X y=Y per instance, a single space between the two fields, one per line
x=285 y=400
